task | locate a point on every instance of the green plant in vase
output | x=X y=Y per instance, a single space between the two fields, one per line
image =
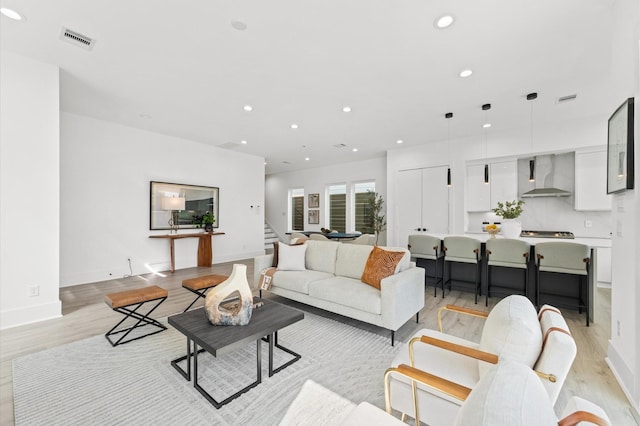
x=509 y=211
x=207 y=220
x=377 y=220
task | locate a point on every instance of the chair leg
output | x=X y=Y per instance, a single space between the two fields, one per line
x=418 y=317
x=199 y=294
x=587 y=304
x=393 y=337
x=143 y=320
x=476 y=283
x=486 y=298
x=538 y=287
x=442 y=278
x=435 y=285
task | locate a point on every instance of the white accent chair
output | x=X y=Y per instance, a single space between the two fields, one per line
x=512 y=331
x=509 y=394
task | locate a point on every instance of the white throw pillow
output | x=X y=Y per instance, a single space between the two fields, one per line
x=291 y=258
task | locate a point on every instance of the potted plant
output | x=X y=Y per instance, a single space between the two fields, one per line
x=207 y=220
x=376 y=219
x=509 y=211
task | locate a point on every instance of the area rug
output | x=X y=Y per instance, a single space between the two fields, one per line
x=90 y=383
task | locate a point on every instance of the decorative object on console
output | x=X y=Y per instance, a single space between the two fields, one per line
x=620 y=167
x=376 y=219
x=380 y=264
x=208 y=219
x=173 y=205
x=510 y=211
x=240 y=314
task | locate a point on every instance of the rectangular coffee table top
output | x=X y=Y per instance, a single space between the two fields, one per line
x=220 y=339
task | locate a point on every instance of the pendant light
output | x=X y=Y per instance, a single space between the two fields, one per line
x=448 y=116
x=532 y=162
x=485 y=108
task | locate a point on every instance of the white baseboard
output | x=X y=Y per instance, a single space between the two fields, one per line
x=30 y=314
x=620 y=370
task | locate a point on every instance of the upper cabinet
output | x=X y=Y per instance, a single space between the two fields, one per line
x=591 y=182
x=502 y=186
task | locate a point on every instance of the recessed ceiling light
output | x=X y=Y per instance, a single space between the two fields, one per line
x=243 y=142
x=10 y=13
x=346 y=109
x=265 y=163
x=465 y=73
x=399 y=141
x=248 y=108
x=355 y=150
x=486 y=125
x=443 y=22
x=307 y=158
x=239 y=25
x=294 y=126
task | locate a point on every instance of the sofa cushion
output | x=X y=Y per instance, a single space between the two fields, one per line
x=351 y=259
x=298 y=280
x=347 y=292
x=321 y=255
x=380 y=264
x=291 y=258
x=512 y=331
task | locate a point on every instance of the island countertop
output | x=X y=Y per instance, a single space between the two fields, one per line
x=484 y=236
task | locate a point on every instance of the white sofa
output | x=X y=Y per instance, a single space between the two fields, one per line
x=331 y=282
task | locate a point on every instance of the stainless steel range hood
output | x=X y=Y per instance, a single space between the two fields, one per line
x=544 y=179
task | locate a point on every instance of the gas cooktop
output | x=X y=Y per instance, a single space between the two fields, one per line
x=547 y=234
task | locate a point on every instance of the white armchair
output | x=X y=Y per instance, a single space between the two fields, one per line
x=512 y=331
x=510 y=394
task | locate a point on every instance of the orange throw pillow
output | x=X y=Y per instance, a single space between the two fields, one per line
x=380 y=264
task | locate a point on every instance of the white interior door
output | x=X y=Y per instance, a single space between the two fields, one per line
x=435 y=200
x=409 y=205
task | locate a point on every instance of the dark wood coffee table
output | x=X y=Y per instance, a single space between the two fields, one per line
x=218 y=340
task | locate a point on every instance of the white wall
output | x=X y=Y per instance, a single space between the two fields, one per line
x=29 y=190
x=624 y=347
x=316 y=181
x=105 y=173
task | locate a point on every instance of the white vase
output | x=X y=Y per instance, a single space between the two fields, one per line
x=511 y=228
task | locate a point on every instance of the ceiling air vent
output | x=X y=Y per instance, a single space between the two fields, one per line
x=340 y=145
x=77 y=39
x=567 y=98
x=286 y=162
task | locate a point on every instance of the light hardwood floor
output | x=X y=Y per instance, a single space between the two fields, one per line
x=85 y=314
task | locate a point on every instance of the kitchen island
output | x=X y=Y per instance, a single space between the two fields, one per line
x=593 y=243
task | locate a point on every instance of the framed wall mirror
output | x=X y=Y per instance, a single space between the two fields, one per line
x=183 y=206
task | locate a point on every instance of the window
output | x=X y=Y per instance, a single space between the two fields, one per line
x=338 y=207
x=362 y=192
x=296 y=212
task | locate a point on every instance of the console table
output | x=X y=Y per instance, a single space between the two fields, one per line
x=205 y=254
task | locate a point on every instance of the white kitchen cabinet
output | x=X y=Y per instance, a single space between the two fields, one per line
x=591 y=182
x=423 y=202
x=502 y=186
x=478 y=192
x=503 y=181
x=604 y=265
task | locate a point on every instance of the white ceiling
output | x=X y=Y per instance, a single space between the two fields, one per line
x=180 y=68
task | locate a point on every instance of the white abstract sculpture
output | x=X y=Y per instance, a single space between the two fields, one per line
x=232 y=312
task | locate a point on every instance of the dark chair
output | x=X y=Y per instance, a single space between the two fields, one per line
x=463 y=250
x=507 y=253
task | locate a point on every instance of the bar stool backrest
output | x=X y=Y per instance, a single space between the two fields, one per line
x=461 y=249
x=563 y=257
x=424 y=246
x=508 y=252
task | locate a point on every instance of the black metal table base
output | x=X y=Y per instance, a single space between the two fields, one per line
x=272 y=339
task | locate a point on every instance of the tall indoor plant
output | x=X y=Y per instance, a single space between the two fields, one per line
x=376 y=218
x=509 y=211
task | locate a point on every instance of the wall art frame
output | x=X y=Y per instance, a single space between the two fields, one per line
x=314 y=201
x=314 y=217
x=198 y=199
x=620 y=141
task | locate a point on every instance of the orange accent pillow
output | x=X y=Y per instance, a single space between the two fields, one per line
x=380 y=264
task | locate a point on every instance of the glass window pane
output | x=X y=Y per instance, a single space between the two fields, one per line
x=363 y=191
x=338 y=207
